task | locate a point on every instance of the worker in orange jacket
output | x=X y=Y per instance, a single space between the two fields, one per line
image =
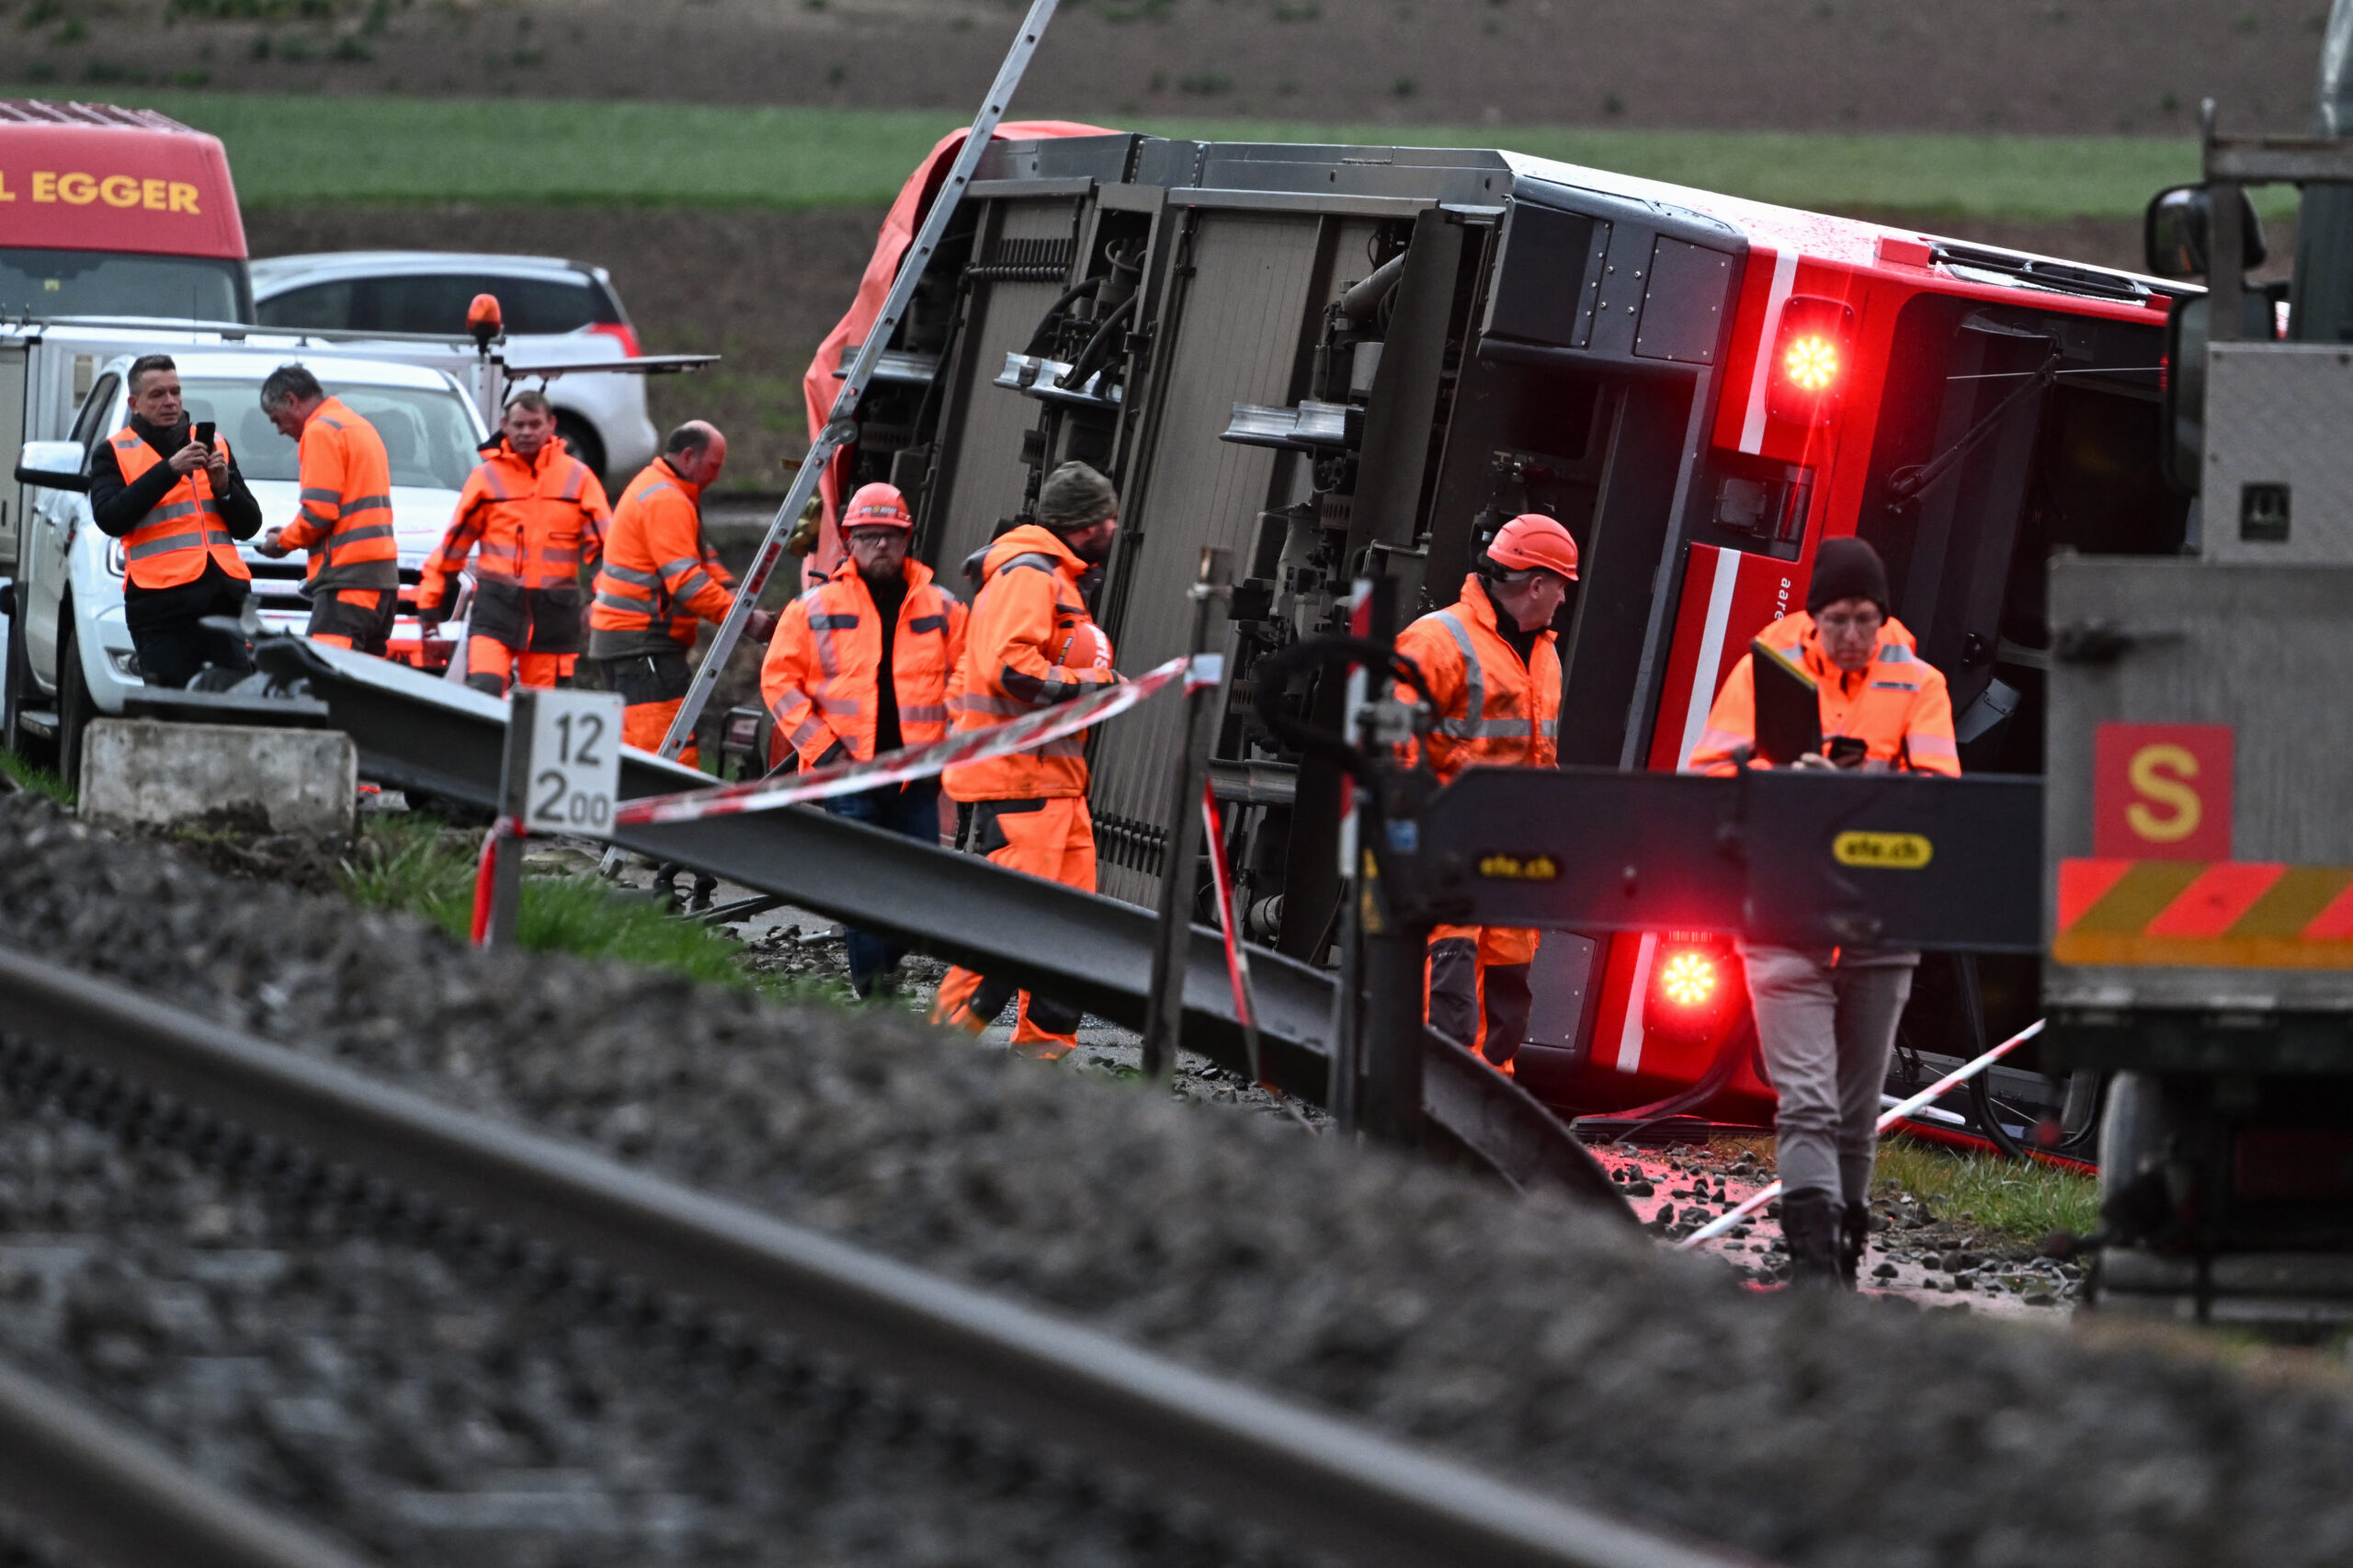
x=530 y=515
x=346 y=513
x=1033 y=644
x=1826 y=1018
x=1492 y=667
x=859 y=666
x=659 y=579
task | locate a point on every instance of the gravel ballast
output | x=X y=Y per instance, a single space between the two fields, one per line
x=1551 y=1345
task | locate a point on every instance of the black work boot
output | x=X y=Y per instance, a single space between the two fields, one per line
x=1810 y=1228
x=1854 y=1239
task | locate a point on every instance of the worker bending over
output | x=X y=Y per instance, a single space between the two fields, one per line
x=1032 y=644
x=530 y=515
x=180 y=506
x=660 y=577
x=1827 y=1017
x=344 y=513
x=859 y=666
x=1490 y=662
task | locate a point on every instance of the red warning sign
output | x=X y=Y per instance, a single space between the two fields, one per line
x=2161 y=791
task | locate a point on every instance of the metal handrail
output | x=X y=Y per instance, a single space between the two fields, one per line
x=1261 y=1461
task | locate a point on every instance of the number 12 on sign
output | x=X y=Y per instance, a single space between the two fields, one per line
x=575 y=761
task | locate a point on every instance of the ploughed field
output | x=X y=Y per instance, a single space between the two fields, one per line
x=420 y=1405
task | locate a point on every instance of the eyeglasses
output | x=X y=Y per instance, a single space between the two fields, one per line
x=1843 y=624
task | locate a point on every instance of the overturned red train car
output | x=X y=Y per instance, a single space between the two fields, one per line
x=1345 y=361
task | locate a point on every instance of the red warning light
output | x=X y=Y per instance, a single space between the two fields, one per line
x=1687 y=977
x=1811 y=363
x=1809 y=358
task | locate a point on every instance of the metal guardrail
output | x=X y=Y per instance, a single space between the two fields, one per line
x=1260 y=1461
x=416 y=732
x=114 y=1500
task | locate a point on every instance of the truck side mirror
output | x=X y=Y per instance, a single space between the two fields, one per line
x=2177 y=232
x=53 y=465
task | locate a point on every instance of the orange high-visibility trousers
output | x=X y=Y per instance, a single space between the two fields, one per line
x=1053 y=838
x=1476 y=988
x=490 y=662
x=644 y=723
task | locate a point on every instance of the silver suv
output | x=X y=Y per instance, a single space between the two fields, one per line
x=556 y=311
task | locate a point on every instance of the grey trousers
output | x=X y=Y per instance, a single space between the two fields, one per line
x=1827 y=1032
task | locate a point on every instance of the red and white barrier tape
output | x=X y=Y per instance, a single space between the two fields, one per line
x=1893 y=1114
x=1025 y=733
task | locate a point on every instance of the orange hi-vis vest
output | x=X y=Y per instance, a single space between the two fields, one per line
x=820 y=675
x=346 y=503
x=172 y=543
x=529 y=523
x=1030 y=644
x=1896 y=705
x=660 y=574
x=1495 y=709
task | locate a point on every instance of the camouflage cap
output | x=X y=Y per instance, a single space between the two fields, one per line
x=1075 y=496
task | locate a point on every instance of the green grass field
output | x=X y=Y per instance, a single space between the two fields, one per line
x=294 y=151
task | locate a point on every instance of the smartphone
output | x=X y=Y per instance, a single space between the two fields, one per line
x=204 y=428
x=1848 y=751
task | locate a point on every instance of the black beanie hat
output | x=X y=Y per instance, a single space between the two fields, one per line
x=1846 y=569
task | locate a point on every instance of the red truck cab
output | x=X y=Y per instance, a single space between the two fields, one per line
x=108 y=212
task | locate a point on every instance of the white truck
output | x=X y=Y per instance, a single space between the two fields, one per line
x=69 y=656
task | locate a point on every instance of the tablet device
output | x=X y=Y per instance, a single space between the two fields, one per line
x=1789 y=712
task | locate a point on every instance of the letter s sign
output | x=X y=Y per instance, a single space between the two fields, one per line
x=2162 y=791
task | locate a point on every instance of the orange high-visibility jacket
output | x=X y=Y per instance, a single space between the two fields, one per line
x=170 y=544
x=1897 y=705
x=347 y=511
x=1495 y=709
x=660 y=574
x=534 y=522
x=1031 y=644
x=819 y=673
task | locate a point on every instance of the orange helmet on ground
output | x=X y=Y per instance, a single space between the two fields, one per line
x=1533 y=540
x=878 y=506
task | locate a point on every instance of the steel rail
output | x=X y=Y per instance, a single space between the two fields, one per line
x=416 y=732
x=1259 y=1461
x=114 y=1500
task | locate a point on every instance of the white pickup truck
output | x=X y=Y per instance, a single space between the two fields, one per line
x=68 y=655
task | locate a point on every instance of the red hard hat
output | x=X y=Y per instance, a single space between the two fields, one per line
x=1533 y=540
x=876 y=506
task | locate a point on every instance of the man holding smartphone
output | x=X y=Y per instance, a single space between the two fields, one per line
x=174 y=497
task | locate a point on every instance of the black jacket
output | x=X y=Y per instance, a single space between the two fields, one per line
x=117 y=507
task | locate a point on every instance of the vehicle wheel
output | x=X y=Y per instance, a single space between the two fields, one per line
x=14 y=687
x=75 y=707
x=581 y=436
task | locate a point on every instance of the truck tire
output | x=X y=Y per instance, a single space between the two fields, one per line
x=75 y=707
x=2131 y=1131
x=15 y=685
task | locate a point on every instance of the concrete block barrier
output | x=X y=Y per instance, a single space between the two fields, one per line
x=143 y=772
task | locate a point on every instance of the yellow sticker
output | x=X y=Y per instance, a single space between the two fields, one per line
x=1512 y=868
x=1884 y=851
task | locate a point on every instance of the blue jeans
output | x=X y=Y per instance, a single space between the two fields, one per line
x=911 y=811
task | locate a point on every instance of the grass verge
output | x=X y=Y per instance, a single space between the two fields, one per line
x=290 y=151
x=2020 y=1199
x=424 y=868
x=32 y=776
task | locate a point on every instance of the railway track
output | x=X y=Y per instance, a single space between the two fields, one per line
x=432 y=1401
x=1263 y=1469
